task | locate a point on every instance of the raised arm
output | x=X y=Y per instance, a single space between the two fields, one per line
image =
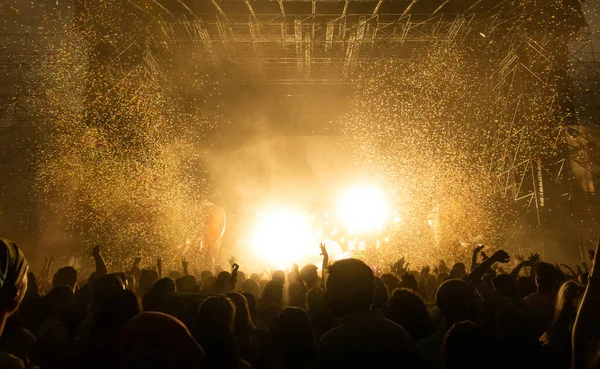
x=476 y=252
x=184 y=265
x=499 y=256
x=325 y=262
x=159 y=266
x=570 y=270
x=234 y=276
x=515 y=272
x=101 y=269
x=585 y=330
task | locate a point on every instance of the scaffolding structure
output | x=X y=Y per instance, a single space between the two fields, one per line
x=545 y=83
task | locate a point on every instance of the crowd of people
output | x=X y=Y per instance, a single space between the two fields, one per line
x=537 y=315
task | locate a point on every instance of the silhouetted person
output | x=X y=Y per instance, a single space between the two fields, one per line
x=557 y=339
x=409 y=311
x=380 y=297
x=458 y=270
x=544 y=299
x=243 y=326
x=408 y=281
x=13 y=287
x=310 y=276
x=278 y=276
x=65 y=276
x=270 y=305
x=55 y=335
x=365 y=339
x=468 y=346
x=110 y=319
x=294 y=344
x=147 y=279
x=251 y=286
x=153 y=340
x=456 y=301
x=251 y=300
x=214 y=332
x=391 y=282
x=224 y=283
x=154 y=300
x=188 y=284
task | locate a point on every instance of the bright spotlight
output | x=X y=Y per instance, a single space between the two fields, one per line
x=363 y=209
x=282 y=237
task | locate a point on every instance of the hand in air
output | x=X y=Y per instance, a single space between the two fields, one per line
x=323 y=249
x=443 y=268
x=232 y=260
x=96 y=251
x=534 y=259
x=501 y=256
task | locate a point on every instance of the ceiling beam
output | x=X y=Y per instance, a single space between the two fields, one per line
x=412 y=3
x=439 y=8
x=251 y=10
x=376 y=10
x=281 y=8
x=219 y=10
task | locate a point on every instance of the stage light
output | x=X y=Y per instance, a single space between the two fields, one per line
x=282 y=237
x=363 y=209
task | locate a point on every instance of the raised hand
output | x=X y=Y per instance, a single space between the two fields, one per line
x=484 y=256
x=234 y=268
x=534 y=259
x=501 y=256
x=478 y=249
x=184 y=265
x=426 y=269
x=401 y=262
x=520 y=258
x=232 y=260
x=96 y=251
x=443 y=268
x=323 y=249
x=135 y=269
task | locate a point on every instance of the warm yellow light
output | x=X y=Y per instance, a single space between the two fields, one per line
x=282 y=237
x=363 y=209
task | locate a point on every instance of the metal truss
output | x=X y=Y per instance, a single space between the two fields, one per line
x=310 y=46
x=545 y=88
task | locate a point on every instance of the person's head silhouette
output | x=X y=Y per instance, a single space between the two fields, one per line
x=350 y=287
